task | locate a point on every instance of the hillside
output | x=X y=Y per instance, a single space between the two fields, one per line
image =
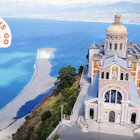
x=82 y=12
x=45 y=117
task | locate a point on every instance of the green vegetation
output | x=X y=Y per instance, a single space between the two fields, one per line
x=57 y=136
x=67 y=76
x=46 y=116
x=80 y=69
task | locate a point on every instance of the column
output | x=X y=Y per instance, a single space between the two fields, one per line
x=118 y=46
x=123 y=46
x=128 y=116
x=102 y=109
x=86 y=111
x=92 y=71
x=138 y=122
x=98 y=111
x=109 y=97
x=122 y=115
x=126 y=107
x=112 y=46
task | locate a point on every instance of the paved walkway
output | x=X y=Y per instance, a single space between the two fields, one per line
x=73 y=132
x=79 y=105
x=111 y=128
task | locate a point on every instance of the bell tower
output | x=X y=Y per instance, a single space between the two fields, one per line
x=117 y=18
x=116 y=39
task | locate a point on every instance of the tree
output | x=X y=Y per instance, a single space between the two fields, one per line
x=45 y=115
x=80 y=69
x=67 y=76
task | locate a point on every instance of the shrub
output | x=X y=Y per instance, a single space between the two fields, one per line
x=67 y=109
x=27 y=117
x=80 y=69
x=30 y=129
x=57 y=136
x=45 y=115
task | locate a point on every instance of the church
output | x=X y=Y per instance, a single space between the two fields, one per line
x=114 y=70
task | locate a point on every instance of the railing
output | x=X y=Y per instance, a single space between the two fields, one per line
x=80 y=91
x=54 y=131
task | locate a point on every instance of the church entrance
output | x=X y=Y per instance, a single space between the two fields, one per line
x=133 y=118
x=91 y=113
x=112 y=116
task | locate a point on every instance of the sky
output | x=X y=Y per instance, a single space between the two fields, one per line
x=63 y=2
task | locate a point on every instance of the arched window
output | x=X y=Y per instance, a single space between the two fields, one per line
x=110 y=46
x=115 y=46
x=120 y=46
x=126 y=76
x=107 y=95
x=119 y=98
x=107 y=75
x=113 y=96
x=121 y=77
x=102 y=75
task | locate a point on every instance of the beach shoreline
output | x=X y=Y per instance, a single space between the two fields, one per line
x=40 y=83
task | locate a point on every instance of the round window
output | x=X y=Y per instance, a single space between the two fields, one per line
x=116 y=37
x=106 y=36
x=121 y=37
x=111 y=37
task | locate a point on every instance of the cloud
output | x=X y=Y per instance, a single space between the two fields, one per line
x=61 y=2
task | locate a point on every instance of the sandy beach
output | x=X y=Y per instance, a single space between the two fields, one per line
x=39 y=84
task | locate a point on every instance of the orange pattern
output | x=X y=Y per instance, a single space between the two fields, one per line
x=95 y=64
x=138 y=75
x=119 y=37
x=134 y=66
x=138 y=83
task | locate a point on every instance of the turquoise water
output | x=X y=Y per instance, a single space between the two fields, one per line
x=70 y=38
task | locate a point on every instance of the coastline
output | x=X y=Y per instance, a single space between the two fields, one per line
x=105 y=21
x=40 y=83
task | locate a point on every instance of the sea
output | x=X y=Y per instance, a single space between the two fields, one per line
x=71 y=39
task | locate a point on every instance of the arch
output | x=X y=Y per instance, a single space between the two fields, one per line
x=113 y=96
x=126 y=76
x=107 y=75
x=133 y=118
x=121 y=76
x=110 y=87
x=102 y=75
x=91 y=113
x=111 y=116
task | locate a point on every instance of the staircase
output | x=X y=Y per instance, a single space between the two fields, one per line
x=83 y=125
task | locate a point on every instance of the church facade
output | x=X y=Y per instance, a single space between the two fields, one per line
x=114 y=69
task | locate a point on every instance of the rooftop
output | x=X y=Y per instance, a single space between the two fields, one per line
x=133 y=92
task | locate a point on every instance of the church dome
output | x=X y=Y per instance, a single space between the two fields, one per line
x=117 y=28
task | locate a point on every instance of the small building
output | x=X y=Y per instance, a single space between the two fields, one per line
x=114 y=69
